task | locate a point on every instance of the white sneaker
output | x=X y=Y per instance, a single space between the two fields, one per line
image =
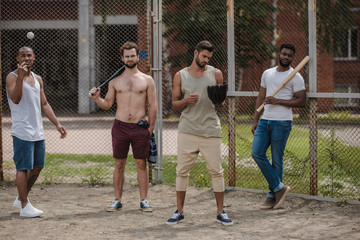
x=30 y=211
x=17 y=203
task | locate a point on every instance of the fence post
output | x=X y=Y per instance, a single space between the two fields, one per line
x=232 y=148
x=232 y=100
x=312 y=89
x=157 y=72
x=1 y=152
x=84 y=11
x=1 y=142
x=313 y=148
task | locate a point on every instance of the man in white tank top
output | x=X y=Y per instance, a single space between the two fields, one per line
x=199 y=128
x=276 y=122
x=27 y=101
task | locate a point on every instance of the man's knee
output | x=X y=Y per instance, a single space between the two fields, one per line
x=183 y=172
x=257 y=156
x=120 y=164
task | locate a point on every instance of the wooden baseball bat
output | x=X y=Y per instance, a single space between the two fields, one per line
x=288 y=78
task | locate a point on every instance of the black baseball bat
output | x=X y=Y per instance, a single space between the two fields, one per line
x=117 y=73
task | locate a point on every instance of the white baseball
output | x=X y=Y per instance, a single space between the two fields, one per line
x=30 y=35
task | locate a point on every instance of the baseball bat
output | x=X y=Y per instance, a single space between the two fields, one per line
x=117 y=73
x=287 y=79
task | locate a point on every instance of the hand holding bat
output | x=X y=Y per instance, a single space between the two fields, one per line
x=287 y=79
x=95 y=92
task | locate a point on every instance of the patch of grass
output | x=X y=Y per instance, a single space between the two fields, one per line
x=97 y=176
x=85 y=168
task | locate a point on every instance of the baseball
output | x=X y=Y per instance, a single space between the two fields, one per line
x=30 y=35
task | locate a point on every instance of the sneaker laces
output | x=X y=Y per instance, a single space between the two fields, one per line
x=223 y=215
x=145 y=203
x=176 y=214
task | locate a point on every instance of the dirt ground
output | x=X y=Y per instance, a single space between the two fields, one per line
x=79 y=212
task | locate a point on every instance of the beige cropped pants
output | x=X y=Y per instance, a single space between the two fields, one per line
x=188 y=148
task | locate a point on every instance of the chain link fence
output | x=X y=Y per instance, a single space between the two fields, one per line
x=77 y=47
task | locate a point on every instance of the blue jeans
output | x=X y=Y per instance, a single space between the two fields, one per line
x=274 y=134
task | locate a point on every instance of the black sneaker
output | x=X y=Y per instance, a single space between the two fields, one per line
x=223 y=218
x=177 y=217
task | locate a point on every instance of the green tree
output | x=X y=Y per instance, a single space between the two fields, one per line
x=190 y=21
x=332 y=16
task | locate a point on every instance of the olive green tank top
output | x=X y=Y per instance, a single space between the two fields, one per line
x=199 y=118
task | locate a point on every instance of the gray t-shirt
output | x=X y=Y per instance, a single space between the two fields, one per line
x=200 y=118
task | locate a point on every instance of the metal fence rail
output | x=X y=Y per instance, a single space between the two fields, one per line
x=77 y=47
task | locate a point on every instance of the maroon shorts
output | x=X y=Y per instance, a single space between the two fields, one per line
x=125 y=133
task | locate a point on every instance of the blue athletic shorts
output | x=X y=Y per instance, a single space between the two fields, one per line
x=28 y=154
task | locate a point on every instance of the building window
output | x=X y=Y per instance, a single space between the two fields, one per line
x=346 y=44
x=346 y=102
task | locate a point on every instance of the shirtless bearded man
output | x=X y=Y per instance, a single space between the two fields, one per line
x=135 y=93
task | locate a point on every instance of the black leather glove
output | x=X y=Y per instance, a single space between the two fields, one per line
x=217 y=94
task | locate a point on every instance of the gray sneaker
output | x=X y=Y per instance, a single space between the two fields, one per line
x=116 y=205
x=145 y=206
x=280 y=196
x=268 y=204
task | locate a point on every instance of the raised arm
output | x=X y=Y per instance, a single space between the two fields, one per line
x=14 y=84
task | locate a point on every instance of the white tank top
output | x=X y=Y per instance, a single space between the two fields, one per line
x=26 y=116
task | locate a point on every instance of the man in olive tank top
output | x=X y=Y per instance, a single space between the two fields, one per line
x=199 y=129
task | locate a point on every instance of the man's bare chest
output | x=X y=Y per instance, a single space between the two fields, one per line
x=29 y=80
x=138 y=86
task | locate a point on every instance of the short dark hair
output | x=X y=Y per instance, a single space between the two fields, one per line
x=204 y=45
x=24 y=48
x=129 y=45
x=288 y=46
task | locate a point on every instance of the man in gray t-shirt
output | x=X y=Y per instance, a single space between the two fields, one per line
x=276 y=122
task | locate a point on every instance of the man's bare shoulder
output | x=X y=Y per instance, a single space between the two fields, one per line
x=217 y=71
x=38 y=77
x=11 y=75
x=146 y=77
x=11 y=78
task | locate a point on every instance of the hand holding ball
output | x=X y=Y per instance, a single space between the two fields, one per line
x=30 y=35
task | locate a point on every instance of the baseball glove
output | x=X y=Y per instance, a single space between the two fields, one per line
x=217 y=94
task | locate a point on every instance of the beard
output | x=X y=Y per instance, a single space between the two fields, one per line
x=197 y=60
x=283 y=64
x=131 y=65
